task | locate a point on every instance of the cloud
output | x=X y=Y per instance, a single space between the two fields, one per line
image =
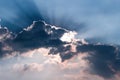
x=4 y=33
x=49 y=53
x=33 y=68
x=40 y=35
x=23 y=68
x=103 y=59
x=42 y=51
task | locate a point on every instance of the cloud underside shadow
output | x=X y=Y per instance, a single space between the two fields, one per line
x=60 y=50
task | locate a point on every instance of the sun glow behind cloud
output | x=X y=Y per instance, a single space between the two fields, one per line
x=96 y=15
x=88 y=17
x=48 y=57
x=52 y=52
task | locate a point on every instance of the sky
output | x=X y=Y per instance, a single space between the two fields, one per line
x=95 y=20
x=59 y=39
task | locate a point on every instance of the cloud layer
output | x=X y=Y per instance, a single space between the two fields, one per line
x=43 y=51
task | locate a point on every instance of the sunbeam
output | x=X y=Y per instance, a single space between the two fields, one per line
x=59 y=40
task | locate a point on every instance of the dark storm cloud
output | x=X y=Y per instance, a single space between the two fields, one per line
x=65 y=52
x=5 y=37
x=89 y=17
x=40 y=35
x=103 y=59
x=3 y=33
x=0 y=47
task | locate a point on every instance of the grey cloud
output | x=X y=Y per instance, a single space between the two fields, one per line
x=37 y=35
x=5 y=37
x=103 y=59
x=40 y=35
